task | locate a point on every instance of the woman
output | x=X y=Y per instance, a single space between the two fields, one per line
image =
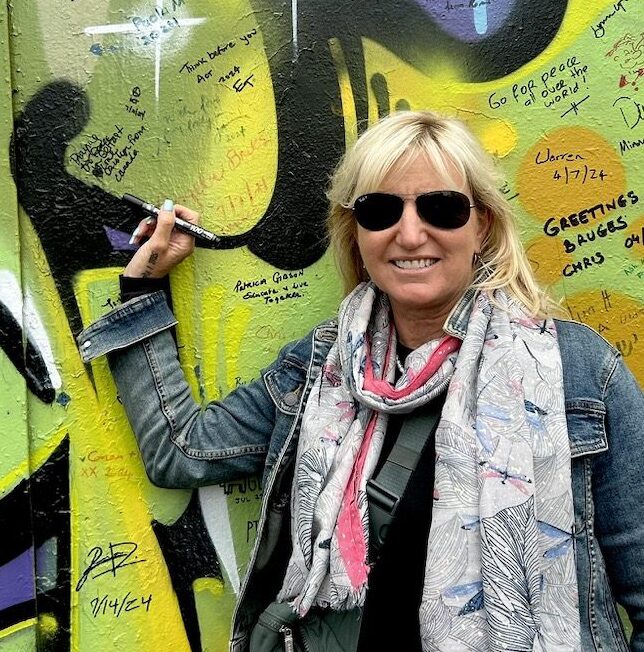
x=520 y=434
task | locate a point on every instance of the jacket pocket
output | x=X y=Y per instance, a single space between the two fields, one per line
x=274 y=629
x=586 y=426
x=284 y=383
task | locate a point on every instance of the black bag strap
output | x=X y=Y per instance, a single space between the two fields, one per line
x=386 y=489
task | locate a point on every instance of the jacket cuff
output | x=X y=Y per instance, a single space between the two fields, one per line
x=126 y=325
x=132 y=287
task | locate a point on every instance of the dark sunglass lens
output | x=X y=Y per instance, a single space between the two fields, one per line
x=446 y=209
x=377 y=211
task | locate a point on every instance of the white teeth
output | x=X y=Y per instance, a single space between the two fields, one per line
x=415 y=264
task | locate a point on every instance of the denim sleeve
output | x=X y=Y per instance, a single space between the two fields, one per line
x=182 y=445
x=618 y=491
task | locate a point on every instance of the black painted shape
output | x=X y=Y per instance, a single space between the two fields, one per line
x=189 y=555
x=292 y=233
x=36 y=510
x=67 y=214
x=380 y=89
x=15 y=513
x=414 y=36
x=27 y=360
x=51 y=518
x=18 y=613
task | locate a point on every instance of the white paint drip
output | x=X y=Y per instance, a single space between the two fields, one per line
x=294 y=32
x=11 y=296
x=157 y=61
x=38 y=335
x=214 y=508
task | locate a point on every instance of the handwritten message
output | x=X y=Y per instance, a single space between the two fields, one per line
x=635 y=268
x=631 y=111
x=280 y=287
x=633 y=239
x=245 y=490
x=553 y=226
x=161 y=20
x=558 y=85
x=599 y=28
x=470 y=4
x=111 y=155
x=107 y=465
x=200 y=69
x=247 y=484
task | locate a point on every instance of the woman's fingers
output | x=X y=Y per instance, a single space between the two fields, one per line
x=144 y=229
x=161 y=227
x=186 y=214
x=165 y=224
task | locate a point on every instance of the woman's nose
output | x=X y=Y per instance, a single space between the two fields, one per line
x=412 y=230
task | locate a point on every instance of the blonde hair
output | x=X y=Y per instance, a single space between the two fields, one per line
x=446 y=143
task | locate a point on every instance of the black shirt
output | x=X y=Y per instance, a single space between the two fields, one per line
x=397 y=575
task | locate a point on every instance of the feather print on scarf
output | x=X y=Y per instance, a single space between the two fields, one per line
x=500 y=571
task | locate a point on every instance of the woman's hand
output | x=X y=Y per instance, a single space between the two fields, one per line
x=166 y=246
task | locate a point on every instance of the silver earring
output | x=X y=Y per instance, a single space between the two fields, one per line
x=477 y=261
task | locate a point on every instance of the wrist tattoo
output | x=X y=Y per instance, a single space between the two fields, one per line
x=149 y=266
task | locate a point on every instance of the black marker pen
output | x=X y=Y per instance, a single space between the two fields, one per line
x=196 y=231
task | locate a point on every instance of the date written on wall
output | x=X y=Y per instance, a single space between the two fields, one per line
x=582 y=174
x=562 y=84
x=107 y=605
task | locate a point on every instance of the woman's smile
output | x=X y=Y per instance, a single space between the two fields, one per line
x=415 y=263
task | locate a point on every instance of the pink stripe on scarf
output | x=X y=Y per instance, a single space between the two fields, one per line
x=385 y=389
x=351 y=539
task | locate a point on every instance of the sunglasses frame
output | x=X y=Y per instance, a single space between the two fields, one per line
x=415 y=196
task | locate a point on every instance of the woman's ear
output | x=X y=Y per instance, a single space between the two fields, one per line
x=484 y=225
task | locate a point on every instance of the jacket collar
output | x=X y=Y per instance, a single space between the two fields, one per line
x=458 y=318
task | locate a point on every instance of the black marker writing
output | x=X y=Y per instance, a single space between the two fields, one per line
x=119 y=555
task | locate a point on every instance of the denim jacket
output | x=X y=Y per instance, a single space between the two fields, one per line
x=255 y=430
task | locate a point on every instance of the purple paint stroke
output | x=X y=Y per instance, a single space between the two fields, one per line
x=119 y=240
x=17 y=581
x=469 y=21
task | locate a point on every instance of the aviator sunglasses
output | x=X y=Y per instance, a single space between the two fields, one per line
x=444 y=209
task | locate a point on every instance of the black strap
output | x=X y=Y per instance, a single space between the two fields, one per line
x=386 y=489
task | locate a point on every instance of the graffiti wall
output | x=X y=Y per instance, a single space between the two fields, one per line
x=240 y=109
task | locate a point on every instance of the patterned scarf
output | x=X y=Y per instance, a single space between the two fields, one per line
x=500 y=571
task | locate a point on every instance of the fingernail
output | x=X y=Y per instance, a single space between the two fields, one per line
x=150 y=220
x=134 y=234
x=168 y=205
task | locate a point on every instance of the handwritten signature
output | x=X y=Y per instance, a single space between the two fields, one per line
x=117 y=556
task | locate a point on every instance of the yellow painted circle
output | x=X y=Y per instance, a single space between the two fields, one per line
x=618 y=318
x=567 y=170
